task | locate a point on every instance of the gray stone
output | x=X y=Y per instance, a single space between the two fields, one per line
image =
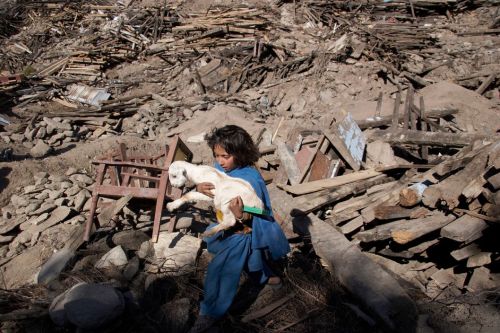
x=31 y=134
x=24 y=237
x=56 y=124
x=131 y=269
x=130 y=239
x=45 y=208
x=72 y=190
x=183 y=249
x=65 y=185
x=68 y=133
x=57 y=178
x=41 y=133
x=54 y=266
x=9 y=225
x=58 y=215
x=81 y=178
x=144 y=218
x=71 y=171
x=18 y=201
x=61 y=202
x=115 y=257
x=146 y=250
x=33 y=189
x=55 y=194
x=80 y=199
x=28 y=144
x=36 y=220
x=87 y=306
x=42 y=196
x=41 y=149
x=188 y=113
x=17 y=137
x=32 y=207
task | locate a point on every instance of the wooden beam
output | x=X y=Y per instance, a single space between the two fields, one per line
x=310 y=202
x=464 y=229
x=438 y=139
x=404 y=231
x=362 y=277
x=322 y=184
x=388 y=120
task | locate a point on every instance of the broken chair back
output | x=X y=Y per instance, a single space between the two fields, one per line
x=144 y=177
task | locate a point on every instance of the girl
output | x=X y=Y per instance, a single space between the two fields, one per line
x=244 y=247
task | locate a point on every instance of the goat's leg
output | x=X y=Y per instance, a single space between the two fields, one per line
x=190 y=197
x=227 y=222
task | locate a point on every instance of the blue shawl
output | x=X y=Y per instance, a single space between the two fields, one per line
x=235 y=252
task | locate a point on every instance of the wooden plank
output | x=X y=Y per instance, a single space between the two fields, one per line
x=407 y=108
x=404 y=231
x=450 y=189
x=486 y=83
x=395 y=112
x=309 y=161
x=341 y=217
x=465 y=252
x=348 y=140
x=352 y=225
x=318 y=185
x=310 y=202
x=362 y=277
x=388 y=120
x=464 y=229
x=398 y=212
x=423 y=127
x=438 y=139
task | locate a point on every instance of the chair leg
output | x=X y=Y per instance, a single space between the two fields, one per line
x=95 y=199
x=159 y=205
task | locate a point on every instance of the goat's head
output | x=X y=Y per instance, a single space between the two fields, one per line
x=177 y=174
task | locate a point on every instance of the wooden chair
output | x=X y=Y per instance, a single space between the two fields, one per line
x=142 y=177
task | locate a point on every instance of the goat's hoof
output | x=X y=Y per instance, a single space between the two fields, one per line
x=171 y=207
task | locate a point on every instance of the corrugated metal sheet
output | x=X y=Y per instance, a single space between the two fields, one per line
x=87 y=95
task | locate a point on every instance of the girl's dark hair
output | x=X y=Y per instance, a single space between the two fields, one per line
x=235 y=141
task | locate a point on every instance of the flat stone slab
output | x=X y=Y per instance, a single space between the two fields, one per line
x=178 y=251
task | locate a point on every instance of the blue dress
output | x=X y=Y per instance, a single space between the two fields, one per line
x=235 y=252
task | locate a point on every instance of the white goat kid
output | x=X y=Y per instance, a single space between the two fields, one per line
x=226 y=188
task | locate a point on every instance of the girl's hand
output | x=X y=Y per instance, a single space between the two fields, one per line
x=205 y=188
x=236 y=207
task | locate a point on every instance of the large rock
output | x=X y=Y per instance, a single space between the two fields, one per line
x=41 y=149
x=115 y=257
x=54 y=266
x=130 y=239
x=177 y=252
x=87 y=306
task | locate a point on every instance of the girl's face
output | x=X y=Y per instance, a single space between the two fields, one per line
x=225 y=160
